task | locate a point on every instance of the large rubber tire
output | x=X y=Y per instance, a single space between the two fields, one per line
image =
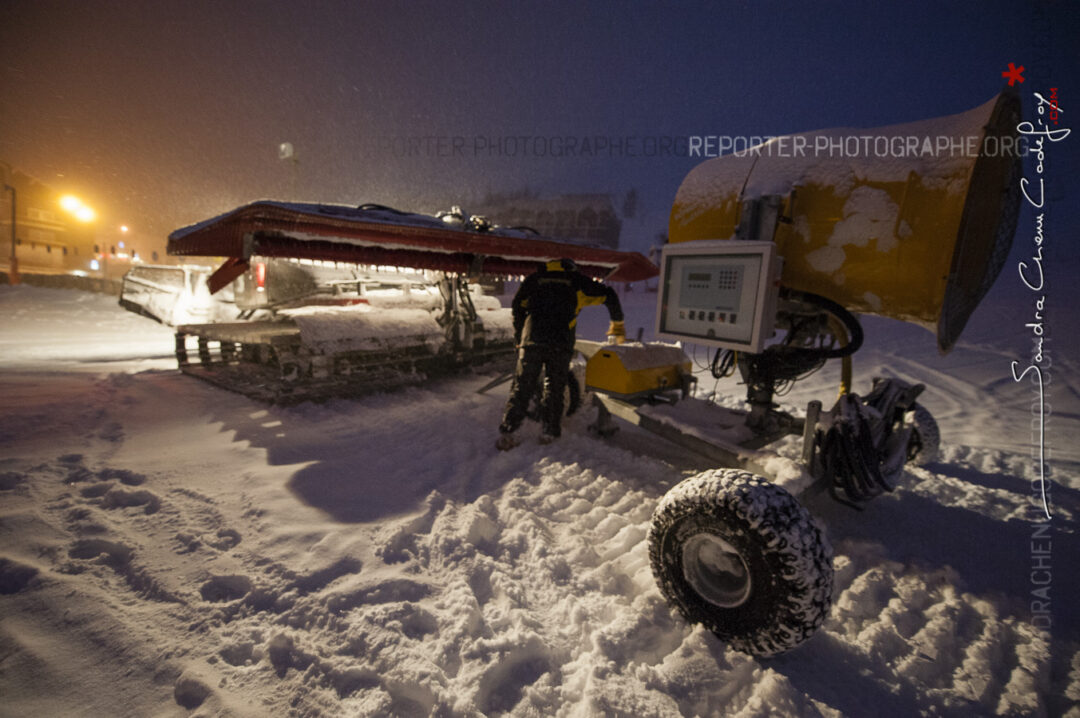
x=742 y=557
x=924 y=446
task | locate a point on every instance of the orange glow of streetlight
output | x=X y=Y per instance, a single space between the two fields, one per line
x=75 y=206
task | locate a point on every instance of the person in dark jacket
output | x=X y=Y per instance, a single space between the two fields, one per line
x=545 y=311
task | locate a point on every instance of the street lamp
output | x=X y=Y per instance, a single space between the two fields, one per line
x=13 y=269
x=287 y=153
x=81 y=211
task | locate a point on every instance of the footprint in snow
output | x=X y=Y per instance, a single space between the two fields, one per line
x=224 y=589
x=238 y=653
x=77 y=472
x=321 y=578
x=15 y=576
x=112 y=496
x=124 y=476
x=502 y=687
x=410 y=700
x=10 y=479
x=350 y=680
x=224 y=539
x=393 y=590
x=95 y=491
x=120 y=558
x=191 y=690
x=112 y=553
x=112 y=432
x=83 y=521
x=118 y=497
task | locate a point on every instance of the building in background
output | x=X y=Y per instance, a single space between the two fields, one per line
x=59 y=234
x=47 y=239
x=585 y=218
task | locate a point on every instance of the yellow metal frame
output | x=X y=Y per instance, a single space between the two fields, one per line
x=606 y=371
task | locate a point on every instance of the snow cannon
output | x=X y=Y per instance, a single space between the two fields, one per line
x=773 y=251
x=911 y=221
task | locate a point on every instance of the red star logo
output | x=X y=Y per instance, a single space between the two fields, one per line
x=1013 y=74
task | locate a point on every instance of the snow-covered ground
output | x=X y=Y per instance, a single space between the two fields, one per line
x=171 y=549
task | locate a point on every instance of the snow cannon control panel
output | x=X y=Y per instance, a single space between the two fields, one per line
x=719 y=293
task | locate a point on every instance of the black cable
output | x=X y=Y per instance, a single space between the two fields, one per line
x=723 y=363
x=696 y=361
x=851 y=323
x=372 y=207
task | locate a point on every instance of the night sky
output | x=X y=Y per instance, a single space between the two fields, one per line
x=164 y=113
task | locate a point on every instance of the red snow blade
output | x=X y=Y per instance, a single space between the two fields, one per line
x=386 y=237
x=226 y=273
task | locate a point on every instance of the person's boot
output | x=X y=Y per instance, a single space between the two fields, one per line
x=548 y=435
x=507 y=441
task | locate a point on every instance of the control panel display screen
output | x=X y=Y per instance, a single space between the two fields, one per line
x=707 y=286
x=717 y=295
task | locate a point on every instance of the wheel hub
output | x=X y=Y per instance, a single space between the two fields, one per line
x=716 y=570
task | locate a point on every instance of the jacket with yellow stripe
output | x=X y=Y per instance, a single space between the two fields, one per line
x=546 y=306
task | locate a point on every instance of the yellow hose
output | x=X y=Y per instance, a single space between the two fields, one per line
x=840 y=332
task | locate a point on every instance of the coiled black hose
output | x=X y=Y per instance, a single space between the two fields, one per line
x=850 y=322
x=849 y=458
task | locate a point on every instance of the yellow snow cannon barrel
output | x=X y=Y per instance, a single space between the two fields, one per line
x=910 y=221
x=635 y=370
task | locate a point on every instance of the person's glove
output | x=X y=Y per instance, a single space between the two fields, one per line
x=616 y=333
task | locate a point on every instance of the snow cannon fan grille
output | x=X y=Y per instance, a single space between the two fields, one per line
x=991 y=210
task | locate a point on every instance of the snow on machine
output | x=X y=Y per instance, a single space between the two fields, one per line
x=771 y=254
x=179 y=294
x=401 y=310
x=174 y=294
